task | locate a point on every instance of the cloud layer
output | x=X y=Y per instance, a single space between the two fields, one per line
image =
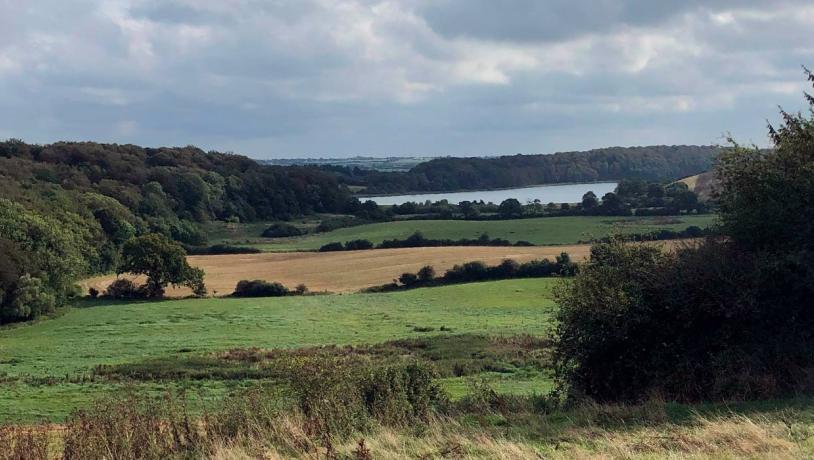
x=286 y=78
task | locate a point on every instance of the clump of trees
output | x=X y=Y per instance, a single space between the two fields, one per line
x=261 y=288
x=730 y=317
x=40 y=257
x=475 y=271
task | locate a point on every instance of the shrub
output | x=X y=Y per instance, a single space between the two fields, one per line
x=358 y=245
x=123 y=288
x=29 y=300
x=508 y=268
x=260 y=288
x=426 y=274
x=706 y=322
x=470 y=271
x=330 y=247
x=408 y=279
x=281 y=230
x=301 y=289
x=93 y=293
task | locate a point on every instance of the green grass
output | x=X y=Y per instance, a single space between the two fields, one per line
x=539 y=231
x=520 y=383
x=39 y=361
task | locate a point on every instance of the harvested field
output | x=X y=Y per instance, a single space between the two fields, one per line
x=346 y=271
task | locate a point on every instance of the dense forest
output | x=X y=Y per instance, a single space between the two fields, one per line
x=653 y=163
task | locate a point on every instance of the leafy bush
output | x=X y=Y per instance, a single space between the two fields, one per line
x=408 y=279
x=426 y=274
x=260 y=288
x=470 y=271
x=123 y=288
x=358 y=245
x=29 y=300
x=281 y=230
x=331 y=247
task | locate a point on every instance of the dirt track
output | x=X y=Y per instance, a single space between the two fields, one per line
x=346 y=271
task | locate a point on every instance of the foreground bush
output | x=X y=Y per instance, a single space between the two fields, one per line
x=728 y=318
x=124 y=289
x=706 y=322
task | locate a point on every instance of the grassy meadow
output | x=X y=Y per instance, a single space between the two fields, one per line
x=539 y=231
x=44 y=365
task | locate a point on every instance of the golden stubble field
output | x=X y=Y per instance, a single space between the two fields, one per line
x=346 y=271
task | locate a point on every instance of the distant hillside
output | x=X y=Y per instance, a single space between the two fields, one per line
x=702 y=184
x=375 y=163
x=614 y=163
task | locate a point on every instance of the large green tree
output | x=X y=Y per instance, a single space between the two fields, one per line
x=163 y=261
x=767 y=196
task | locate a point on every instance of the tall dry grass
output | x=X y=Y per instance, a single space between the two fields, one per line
x=159 y=429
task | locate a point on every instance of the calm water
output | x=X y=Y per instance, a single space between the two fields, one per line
x=570 y=193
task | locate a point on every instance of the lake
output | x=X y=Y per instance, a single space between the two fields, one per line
x=566 y=193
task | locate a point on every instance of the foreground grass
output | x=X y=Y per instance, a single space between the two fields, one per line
x=44 y=366
x=539 y=231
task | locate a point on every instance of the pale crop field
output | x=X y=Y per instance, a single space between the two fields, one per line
x=346 y=271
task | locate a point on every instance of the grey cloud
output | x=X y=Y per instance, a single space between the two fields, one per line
x=553 y=20
x=320 y=77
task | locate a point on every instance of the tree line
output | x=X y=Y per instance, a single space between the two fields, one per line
x=653 y=163
x=475 y=271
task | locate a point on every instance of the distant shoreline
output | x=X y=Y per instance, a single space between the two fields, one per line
x=500 y=189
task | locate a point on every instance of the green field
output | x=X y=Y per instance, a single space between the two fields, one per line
x=42 y=362
x=539 y=231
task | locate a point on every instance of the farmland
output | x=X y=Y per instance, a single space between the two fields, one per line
x=346 y=271
x=538 y=231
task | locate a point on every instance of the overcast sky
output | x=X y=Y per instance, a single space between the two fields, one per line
x=294 y=78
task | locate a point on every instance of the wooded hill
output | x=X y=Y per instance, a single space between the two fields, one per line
x=655 y=163
x=66 y=209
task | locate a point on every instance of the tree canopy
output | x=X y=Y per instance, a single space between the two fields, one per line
x=163 y=261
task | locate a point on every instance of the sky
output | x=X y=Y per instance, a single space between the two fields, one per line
x=338 y=78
